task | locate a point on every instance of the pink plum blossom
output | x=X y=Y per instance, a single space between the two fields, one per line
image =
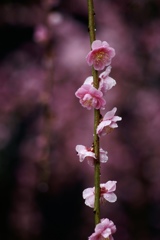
x=105 y=82
x=100 y=56
x=108 y=122
x=106 y=193
x=88 y=153
x=103 y=230
x=90 y=97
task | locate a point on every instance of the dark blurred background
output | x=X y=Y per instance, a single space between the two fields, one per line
x=43 y=45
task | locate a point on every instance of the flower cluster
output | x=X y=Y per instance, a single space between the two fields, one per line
x=90 y=97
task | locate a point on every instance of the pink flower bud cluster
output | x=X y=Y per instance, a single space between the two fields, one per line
x=92 y=98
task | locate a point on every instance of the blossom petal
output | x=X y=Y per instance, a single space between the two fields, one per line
x=80 y=148
x=100 y=226
x=96 y=44
x=106 y=233
x=88 y=192
x=105 y=74
x=90 y=161
x=101 y=126
x=110 y=197
x=105 y=44
x=113 y=125
x=88 y=195
x=116 y=118
x=89 y=80
x=111 y=185
x=110 y=114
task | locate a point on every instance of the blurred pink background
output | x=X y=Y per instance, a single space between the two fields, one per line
x=43 y=46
